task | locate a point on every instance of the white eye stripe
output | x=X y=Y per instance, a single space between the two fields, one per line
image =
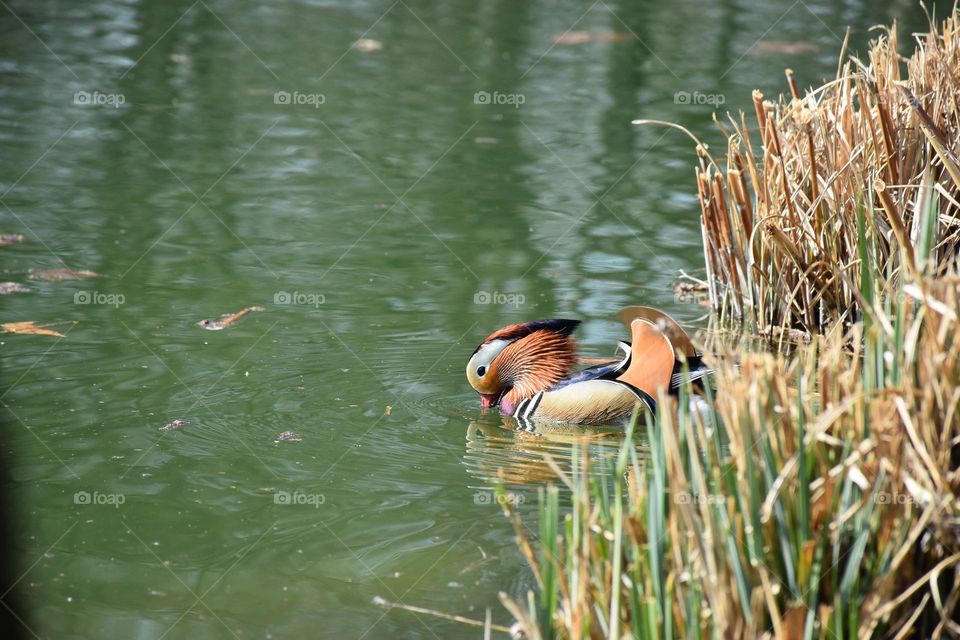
x=487 y=354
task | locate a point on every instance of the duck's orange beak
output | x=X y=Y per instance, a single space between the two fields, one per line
x=488 y=400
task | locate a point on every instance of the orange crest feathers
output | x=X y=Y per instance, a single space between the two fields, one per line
x=535 y=363
x=519 y=330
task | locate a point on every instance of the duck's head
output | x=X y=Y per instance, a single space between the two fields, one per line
x=521 y=360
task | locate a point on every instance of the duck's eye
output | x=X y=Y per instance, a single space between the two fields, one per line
x=481 y=371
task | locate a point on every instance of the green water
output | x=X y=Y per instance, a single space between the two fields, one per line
x=393 y=210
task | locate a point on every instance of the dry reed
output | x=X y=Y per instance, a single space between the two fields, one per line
x=780 y=217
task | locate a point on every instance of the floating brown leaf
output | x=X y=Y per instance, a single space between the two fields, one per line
x=30 y=327
x=693 y=291
x=227 y=319
x=786 y=333
x=12 y=287
x=789 y=48
x=367 y=45
x=55 y=275
x=690 y=287
x=581 y=37
x=176 y=424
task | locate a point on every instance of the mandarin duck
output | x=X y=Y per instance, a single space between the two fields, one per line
x=527 y=370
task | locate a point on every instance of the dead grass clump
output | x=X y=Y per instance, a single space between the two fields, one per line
x=873 y=152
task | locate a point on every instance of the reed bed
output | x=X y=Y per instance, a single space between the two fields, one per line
x=781 y=213
x=818 y=500
x=819 y=496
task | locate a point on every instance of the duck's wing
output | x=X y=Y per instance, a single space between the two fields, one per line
x=601 y=371
x=695 y=372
